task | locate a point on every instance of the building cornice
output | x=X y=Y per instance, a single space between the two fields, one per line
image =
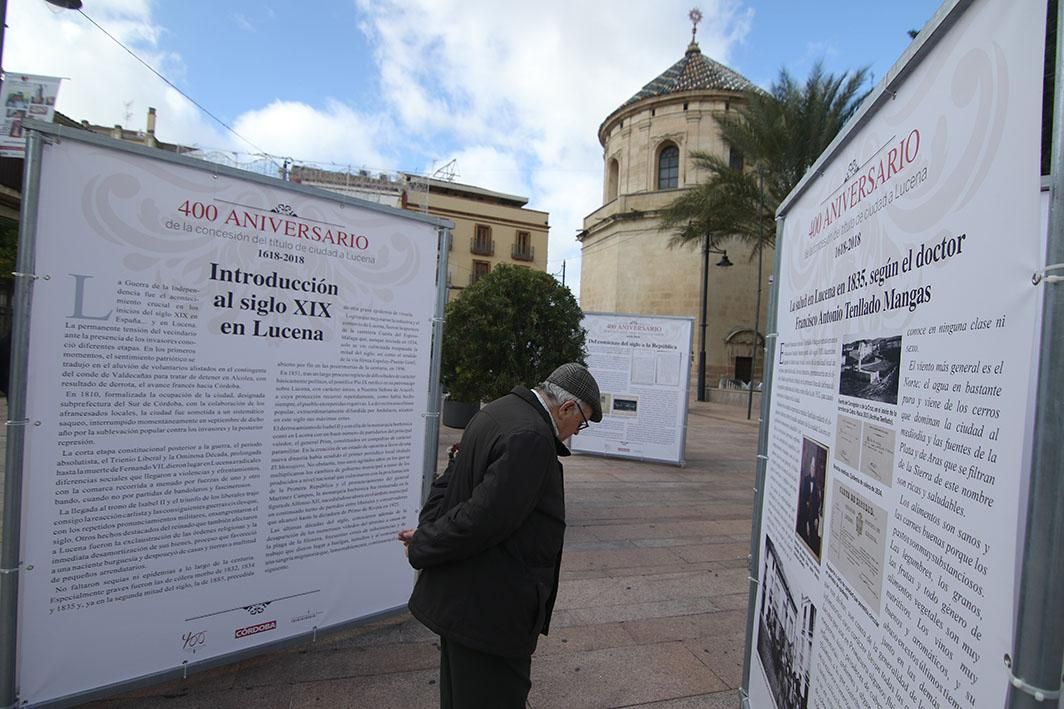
x=653 y=102
x=485 y=219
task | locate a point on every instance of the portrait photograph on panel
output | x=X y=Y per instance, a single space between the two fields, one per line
x=811 y=485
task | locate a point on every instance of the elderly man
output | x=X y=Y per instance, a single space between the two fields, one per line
x=489 y=540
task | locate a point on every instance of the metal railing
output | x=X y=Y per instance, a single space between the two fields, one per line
x=482 y=247
x=521 y=252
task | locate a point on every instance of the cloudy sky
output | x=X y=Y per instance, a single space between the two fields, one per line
x=512 y=92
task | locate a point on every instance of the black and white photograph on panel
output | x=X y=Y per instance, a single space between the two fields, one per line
x=625 y=405
x=785 y=639
x=809 y=523
x=870 y=369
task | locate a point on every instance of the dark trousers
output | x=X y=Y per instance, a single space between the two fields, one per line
x=476 y=680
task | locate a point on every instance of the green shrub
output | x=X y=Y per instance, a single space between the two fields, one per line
x=513 y=326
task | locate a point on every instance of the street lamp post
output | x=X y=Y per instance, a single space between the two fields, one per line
x=700 y=395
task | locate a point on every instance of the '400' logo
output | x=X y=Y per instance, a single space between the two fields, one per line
x=191 y=641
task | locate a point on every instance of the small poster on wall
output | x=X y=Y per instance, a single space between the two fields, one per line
x=24 y=96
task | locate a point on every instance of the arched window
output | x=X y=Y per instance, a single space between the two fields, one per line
x=735 y=159
x=613 y=173
x=669 y=167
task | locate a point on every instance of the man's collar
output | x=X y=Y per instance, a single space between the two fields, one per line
x=531 y=398
x=553 y=423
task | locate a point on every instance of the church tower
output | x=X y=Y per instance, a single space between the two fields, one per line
x=627 y=265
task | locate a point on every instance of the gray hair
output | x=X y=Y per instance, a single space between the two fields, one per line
x=557 y=394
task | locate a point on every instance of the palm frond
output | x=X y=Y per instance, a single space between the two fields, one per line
x=780 y=133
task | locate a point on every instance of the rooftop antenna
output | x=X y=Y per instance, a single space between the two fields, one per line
x=129 y=112
x=447 y=171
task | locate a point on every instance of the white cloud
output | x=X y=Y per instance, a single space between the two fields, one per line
x=105 y=85
x=243 y=22
x=335 y=134
x=491 y=168
x=102 y=82
x=534 y=81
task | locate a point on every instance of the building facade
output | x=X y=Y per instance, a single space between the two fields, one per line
x=627 y=265
x=490 y=228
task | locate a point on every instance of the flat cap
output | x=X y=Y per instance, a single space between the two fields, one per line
x=576 y=380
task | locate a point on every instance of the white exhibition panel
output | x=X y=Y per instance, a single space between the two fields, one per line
x=226 y=385
x=642 y=366
x=901 y=390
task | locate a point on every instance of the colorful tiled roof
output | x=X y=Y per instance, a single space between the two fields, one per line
x=694 y=72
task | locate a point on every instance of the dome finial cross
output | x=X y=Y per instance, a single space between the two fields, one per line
x=696 y=16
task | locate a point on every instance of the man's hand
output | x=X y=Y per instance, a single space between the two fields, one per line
x=405 y=536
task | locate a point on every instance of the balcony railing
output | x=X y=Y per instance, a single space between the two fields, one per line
x=482 y=247
x=523 y=253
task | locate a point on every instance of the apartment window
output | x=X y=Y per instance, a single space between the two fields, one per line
x=522 y=250
x=482 y=243
x=480 y=269
x=669 y=167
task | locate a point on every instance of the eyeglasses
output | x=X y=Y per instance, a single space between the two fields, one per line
x=583 y=419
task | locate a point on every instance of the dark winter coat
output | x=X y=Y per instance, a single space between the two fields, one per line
x=489 y=539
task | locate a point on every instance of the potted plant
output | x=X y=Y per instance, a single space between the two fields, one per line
x=513 y=326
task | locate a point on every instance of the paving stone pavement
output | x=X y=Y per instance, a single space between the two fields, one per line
x=651 y=611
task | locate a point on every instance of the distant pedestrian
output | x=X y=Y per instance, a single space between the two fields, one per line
x=489 y=540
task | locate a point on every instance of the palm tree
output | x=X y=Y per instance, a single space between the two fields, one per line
x=781 y=133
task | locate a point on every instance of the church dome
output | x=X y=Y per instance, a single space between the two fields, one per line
x=695 y=75
x=695 y=72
